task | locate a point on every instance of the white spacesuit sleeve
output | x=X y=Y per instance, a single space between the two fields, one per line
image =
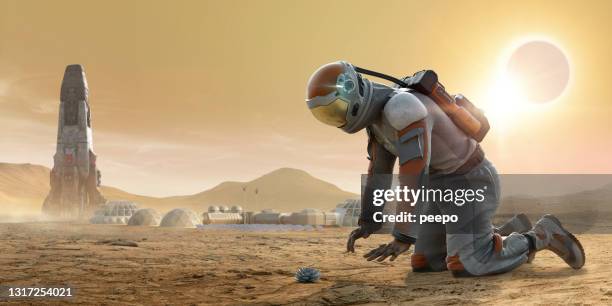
x=404 y=109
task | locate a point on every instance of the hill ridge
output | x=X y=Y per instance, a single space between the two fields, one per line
x=23 y=187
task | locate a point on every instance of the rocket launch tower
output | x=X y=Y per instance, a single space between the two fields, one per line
x=75 y=177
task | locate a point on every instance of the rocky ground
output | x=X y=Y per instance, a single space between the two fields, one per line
x=149 y=266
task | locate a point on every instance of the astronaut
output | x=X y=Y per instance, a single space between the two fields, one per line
x=436 y=145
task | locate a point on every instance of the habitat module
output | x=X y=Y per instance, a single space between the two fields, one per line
x=75 y=177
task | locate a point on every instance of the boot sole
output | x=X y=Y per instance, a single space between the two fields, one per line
x=572 y=237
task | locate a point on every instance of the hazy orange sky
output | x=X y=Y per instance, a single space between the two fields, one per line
x=186 y=94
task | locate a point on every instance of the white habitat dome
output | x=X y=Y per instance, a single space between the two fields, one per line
x=145 y=217
x=114 y=212
x=180 y=217
x=349 y=212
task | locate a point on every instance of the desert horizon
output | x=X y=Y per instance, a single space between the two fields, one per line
x=582 y=199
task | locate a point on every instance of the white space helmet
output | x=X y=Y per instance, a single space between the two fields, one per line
x=339 y=96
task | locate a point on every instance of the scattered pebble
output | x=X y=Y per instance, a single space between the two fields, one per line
x=119 y=242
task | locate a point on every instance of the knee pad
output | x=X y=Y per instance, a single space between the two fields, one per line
x=420 y=263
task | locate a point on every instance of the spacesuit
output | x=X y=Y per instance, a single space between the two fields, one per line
x=407 y=126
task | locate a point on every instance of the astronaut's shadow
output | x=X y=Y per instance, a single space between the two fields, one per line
x=430 y=283
x=531 y=272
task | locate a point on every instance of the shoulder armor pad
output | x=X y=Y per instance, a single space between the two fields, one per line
x=404 y=109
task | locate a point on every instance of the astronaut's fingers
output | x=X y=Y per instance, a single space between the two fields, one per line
x=377 y=252
x=394 y=256
x=355 y=234
x=388 y=252
x=373 y=251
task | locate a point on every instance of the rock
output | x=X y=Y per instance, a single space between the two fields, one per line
x=119 y=242
x=126 y=243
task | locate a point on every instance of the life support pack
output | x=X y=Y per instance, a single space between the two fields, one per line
x=467 y=117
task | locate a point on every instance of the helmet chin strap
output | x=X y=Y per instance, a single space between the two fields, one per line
x=382 y=76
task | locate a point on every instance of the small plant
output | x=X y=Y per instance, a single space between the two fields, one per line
x=307 y=275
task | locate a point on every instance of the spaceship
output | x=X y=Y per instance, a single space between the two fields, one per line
x=75 y=176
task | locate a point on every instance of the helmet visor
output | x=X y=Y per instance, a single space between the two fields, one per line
x=326 y=94
x=333 y=114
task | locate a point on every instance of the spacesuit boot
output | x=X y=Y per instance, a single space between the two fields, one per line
x=549 y=234
x=517 y=224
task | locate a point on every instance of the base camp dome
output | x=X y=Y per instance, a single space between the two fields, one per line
x=180 y=217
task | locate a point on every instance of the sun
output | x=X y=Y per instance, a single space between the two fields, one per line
x=533 y=74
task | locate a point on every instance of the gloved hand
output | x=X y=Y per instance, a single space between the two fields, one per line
x=363 y=231
x=393 y=249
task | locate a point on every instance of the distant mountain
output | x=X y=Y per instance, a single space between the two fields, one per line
x=285 y=189
x=598 y=200
x=23 y=188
